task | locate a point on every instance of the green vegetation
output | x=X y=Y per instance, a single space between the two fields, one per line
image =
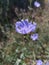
x=16 y=48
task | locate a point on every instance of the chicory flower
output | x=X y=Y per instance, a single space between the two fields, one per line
x=34 y=36
x=25 y=27
x=36 y=4
x=39 y=62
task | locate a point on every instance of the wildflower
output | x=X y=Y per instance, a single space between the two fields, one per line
x=34 y=36
x=25 y=27
x=39 y=62
x=36 y=4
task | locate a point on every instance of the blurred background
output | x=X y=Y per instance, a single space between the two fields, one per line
x=17 y=49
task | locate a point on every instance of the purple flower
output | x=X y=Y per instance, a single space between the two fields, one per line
x=36 y=4
x=34 y=36
x=39 y=62
x=25 y=27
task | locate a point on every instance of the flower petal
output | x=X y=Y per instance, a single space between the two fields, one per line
x=36 y=4
x=19 y=24
x=34 y=37
x=25 y=22
x=39 y=62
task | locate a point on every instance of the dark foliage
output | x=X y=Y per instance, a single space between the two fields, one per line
x=23 y=4
x=11 y=13
x=3 y=36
